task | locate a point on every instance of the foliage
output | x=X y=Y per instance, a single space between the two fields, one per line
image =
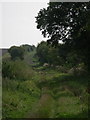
x=61 y=56
x=28 y=48
x=42 y=52
x=43 y=94
x=31 y=57
x=68 y=22
x=61 y=20
x=16 y=52
x=48 y=54
x=17 y=100
x=16 y=69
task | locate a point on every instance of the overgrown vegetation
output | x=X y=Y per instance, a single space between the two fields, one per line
x=32 y=91
x=19 y=90
x=52 y=79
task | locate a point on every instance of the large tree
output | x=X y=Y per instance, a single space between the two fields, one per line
x=68 y=22
x=62 y=21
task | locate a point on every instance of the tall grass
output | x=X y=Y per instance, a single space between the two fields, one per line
x=16 y=70
x=18 y=97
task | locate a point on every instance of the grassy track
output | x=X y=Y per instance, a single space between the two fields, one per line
x=62 y=96
x=47 y=94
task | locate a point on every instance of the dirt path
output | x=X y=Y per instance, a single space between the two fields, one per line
x=47 y=107
x=44 y=107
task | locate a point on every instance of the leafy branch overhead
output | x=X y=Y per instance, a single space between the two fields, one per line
x=63 y=21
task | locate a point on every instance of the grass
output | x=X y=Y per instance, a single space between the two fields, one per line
x=44 y=93
x=18 y=97
x=44 y=108
x=59 y=89
x=67 y=90
x=70 y=107
x=16 y=104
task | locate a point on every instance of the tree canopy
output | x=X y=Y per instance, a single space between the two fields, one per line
x=16 y=52
x=68 y=22
x=63 y=21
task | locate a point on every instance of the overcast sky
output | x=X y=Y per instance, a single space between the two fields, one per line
x=17 y=25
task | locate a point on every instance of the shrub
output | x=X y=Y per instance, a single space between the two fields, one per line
x=16 y=70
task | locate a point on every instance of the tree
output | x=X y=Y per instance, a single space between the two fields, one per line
x=68 y=22
x=16 y=52
x=28 y=48
x=61 y=21
x=49 y=54
x=42 y=52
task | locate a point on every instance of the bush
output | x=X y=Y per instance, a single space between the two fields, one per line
x=16 y=70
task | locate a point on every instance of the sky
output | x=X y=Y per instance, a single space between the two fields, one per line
x=17 y=23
